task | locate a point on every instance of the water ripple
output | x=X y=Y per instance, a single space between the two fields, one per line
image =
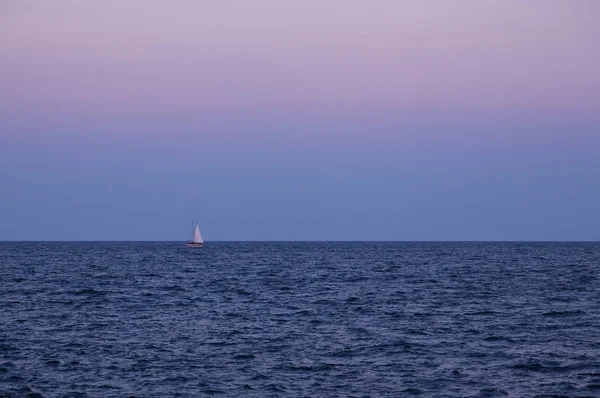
x=299 y=319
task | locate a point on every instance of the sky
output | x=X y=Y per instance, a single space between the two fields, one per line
x=304 y=120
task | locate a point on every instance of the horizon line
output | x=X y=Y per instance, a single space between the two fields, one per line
x=303 y=241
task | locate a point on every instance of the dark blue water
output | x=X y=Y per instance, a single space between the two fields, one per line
x=300 y=319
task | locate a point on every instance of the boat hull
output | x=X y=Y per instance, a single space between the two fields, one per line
x=192 y=244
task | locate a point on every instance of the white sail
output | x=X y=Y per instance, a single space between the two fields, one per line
x=197 y=236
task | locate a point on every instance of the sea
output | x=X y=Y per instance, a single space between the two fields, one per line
x=299 y=319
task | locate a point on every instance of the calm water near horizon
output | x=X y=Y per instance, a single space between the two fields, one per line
x=301 y=319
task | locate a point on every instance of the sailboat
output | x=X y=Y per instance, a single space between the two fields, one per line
x=197 y=239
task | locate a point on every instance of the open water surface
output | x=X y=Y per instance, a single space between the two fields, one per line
x=300 y=320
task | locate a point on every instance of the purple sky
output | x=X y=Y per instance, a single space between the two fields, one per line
x=329 y=119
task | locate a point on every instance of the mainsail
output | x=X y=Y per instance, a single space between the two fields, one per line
x=197 y=236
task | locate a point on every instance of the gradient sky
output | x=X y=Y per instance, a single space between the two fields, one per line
x=306 y=120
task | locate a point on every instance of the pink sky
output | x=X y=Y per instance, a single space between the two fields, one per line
x=176 y=58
